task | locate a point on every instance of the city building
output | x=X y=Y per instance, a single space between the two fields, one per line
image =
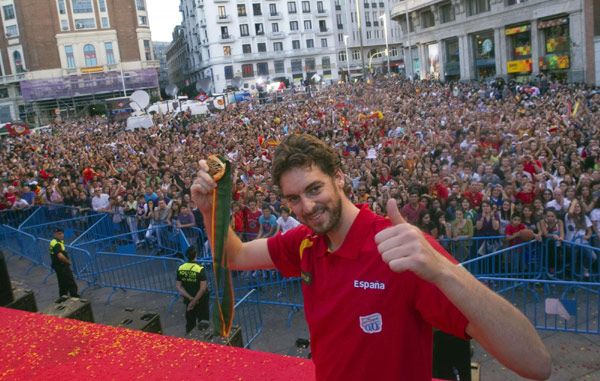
x=177 y=59
x=369 y=19
x=481 y=39
x=160 y=55
x=58 y=56
x=259 y=41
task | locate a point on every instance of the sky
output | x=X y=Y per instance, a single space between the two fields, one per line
x=163 y=15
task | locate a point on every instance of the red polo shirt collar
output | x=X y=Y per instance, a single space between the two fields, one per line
x=356 y=236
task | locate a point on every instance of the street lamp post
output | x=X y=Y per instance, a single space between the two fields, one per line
x=387 y=47
x=362 y=56
x=409 y=46
x=347 y=56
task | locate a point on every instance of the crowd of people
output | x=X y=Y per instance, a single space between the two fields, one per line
x=461 y=159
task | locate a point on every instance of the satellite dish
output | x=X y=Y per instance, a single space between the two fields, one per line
x=172 y=90
x=217 y=104
x=139 y=100
x=316 y=78
x=237 y=82
x=204 y=85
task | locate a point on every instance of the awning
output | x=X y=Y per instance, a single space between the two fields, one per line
x=551 y=23
x=517 y=29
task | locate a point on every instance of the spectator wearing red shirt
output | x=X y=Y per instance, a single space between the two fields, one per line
x=413 y=209
x=530 y=165
x=511 y=232
x=10 y=195
x=527 y=195
x=251 y=219
x=474 y=195
x=437 y=189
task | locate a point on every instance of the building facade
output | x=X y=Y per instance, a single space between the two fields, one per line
x=259 y=41
x=57 y=56
x=160 y=55
x=482 y=39
x=371 y=20
x=177 y=59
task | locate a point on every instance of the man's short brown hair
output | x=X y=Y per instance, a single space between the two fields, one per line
x=297 y=151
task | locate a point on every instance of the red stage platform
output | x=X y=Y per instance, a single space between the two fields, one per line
x=35 y=346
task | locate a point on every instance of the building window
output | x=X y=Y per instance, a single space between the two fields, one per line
x=70 y=57
x=147 y=50
x=256 y=9
x=143 y=20
x=394 y=52
x=447 y=13
x=258 y=28
x=342 y=56
x=9 y=12
x=273 y=9
x=228 y=72
x=222 y=13
x=484 y=46
x=427 y=19
x=89 y=53
x=279 y=67
x=293 y=25
x=224 y=32
x=141 y=6
x=244 y=30
x=227 y=50
x=275 y=27
x=246 y=48
x=310 y=43
x=241 y=10
x=326 y=63
x=356 y=54
x=82 y=6
x=110 y=56
x=278 y=46
x=104 y=21
x=307 y=25
x=85 y=24
x=262 y=68
x=18 y=62
x=12 y=31
x=310 y=64
x=291 y=7
x=323 y=26
x=515 y=2
x=475 y=7
x=247 y=70
x=323 y=42
x=62 y=9
x=295 y=44
x=64 y=24
x=262 y=47
x=102 y=5
x=296 y=65
x=320 y=8
x=4 y=93
x=306 y=7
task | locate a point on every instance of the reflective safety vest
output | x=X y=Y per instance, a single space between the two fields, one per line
x=54 y=250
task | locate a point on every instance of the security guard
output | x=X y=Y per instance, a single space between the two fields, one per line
x=60 y=264
x=191 y=283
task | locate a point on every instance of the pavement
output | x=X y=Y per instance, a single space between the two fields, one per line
x=575 y=356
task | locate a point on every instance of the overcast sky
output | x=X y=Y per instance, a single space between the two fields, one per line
x=163 y=16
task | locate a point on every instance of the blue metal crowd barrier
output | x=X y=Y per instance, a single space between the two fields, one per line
x=20 y=243
x=248 y=316
x=15 y=218
x=73 y=227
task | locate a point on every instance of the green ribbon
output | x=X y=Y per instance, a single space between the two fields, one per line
x=222 y=311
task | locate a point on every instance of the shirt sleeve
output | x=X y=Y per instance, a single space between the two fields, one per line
x=284 y=251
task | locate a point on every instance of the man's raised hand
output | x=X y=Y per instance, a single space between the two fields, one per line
x=202 y=189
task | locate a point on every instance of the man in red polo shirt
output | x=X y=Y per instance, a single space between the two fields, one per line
x=368 y=316
x=474 y=195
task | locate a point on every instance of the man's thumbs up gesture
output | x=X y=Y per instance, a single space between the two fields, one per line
x=404 y=247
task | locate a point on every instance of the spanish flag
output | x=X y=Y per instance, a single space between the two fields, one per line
x=376 y=115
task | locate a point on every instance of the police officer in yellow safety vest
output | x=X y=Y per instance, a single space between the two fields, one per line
x=61 y=264
x=191 y=283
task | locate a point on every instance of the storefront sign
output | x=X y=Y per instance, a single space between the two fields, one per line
x=486 y=46
x=551 y=23
x=517 y=29
x=554 y=62
x=519 y=66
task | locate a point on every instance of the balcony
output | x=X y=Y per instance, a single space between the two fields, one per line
x=381 y=5
x=277 y=35
x=367 y=23
x=323 y=31
x=340 y=26
x=221 y=1
x=223 y=19
x=338 y=7
x=373 y=5
x=366 y=5
x=274 y=16
x=375 y=23
x=322 y=13
x=226 y=38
